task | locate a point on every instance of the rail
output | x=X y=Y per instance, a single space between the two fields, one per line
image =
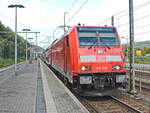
x=104 y=105
x=129 y=106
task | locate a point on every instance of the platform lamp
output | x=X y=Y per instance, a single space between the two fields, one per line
x=16 y=6
x=26 y=30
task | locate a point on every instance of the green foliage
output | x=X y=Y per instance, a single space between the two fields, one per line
x=7 y=46
x=6 y=62
x=146 y=50
x=142 y=44
x=142 y=60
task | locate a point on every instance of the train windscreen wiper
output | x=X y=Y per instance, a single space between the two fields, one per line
x=98 y=40
x=106 y=44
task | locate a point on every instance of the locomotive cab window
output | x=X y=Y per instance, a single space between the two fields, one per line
x=97 y=36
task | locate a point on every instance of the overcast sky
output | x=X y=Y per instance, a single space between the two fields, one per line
x=46 y=15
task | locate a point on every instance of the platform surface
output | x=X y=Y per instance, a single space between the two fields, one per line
x=35 y=89
x=63 y=100
x=22 y=93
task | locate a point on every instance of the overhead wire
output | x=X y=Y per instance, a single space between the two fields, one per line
x=142 y=33
x=77 y=11
x=138 y=27
x=136 y=7
x=72 y=5
x=104 y=21
x=126 y=11
x=142 y=18
x=70 y=9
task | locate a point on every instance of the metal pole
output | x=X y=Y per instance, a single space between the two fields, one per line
x=30 y=61
x=15 y=6
x=112 y=20
x=26 y=48
x=26 y=31
x=36 y=45
x=131 y=27
x=64 y=23
x=127 y=59
x=30 y=50
x=53 y=35
x=16 y=40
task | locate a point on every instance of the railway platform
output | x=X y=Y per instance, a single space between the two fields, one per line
x=35 y=89
x=58 y=98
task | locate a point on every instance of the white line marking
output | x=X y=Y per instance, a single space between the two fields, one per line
x=50 y=105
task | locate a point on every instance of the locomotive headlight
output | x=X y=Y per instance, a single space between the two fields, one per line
x=85 y=68
x=115 y=67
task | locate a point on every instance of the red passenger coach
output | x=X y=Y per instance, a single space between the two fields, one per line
x=90 y=59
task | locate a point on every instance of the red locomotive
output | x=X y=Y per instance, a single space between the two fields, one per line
x=90 y=59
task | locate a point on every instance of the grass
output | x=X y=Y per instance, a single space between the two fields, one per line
x=142 y=60
x=9 y=61
x=6 y=62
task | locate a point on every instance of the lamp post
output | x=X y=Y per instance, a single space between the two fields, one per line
x=36 y=44
x=26 y=43
x=30 y=61
x=16 y=6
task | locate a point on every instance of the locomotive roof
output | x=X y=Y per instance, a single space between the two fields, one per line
x=77 y=26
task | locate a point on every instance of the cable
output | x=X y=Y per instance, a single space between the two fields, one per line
x=146 y=32
x=123 y=24
x=142 y=5
x=45 y=39
x=138 y=27
x=136 y=7
x=74 y=13
x=14 y=21
x=77 y=11
x=68 y=11
x=104 y=21
x=73 y=5
x=136 y=20
x=142 y=18
x=122 y=15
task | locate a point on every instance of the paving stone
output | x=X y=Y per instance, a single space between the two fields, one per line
x=63 y=101
x=18 y=94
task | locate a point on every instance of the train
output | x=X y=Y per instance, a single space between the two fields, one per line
x=89 y=59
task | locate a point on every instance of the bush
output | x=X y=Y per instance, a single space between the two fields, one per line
x=143 y=60
x=6 y=62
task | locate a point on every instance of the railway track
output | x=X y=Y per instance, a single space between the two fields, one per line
x=110 y=105
x=142 y=81
x=135 y=102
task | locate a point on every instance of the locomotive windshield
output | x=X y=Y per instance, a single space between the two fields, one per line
x=92 y=36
